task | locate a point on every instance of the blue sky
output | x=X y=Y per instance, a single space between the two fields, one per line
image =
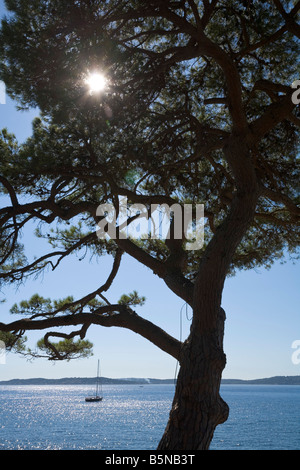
x=262 y=310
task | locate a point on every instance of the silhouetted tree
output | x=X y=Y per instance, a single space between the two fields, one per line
x=198 y=109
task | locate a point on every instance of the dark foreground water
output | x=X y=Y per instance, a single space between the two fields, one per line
x=132 y=417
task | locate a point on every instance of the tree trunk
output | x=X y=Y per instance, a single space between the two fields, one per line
x=197 y=406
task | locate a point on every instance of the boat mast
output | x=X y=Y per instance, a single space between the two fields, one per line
x=97 y=382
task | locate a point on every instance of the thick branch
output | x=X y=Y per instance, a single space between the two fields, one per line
x=278 y=196
x=274 y=114
x=219 y=253
x=291 y=24
x=104 y=316
x=10 y=190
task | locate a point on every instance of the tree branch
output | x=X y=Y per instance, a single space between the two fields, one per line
x=274 y=114
x=291 y=24
x=278 y=196
x=107 y=317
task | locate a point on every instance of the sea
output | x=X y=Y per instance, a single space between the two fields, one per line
x=133 y=417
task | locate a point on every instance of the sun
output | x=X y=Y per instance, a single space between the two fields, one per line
x=96 y=82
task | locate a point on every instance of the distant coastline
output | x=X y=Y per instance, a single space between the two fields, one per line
x=278 y=380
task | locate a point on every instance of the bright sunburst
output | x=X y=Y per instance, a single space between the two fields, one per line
x=96 y=82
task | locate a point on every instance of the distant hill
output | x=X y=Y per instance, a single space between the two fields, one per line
x=279 y=380
x=85 y=381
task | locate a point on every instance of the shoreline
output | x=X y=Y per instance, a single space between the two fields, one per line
x=277 y=380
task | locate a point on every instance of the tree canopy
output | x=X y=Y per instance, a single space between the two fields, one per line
x=185 y=80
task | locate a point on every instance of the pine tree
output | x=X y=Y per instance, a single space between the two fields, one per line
x=199 y=106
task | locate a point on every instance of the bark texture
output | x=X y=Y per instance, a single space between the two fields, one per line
x=198 y=407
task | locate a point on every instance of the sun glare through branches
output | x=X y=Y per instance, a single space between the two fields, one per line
x=96 y=82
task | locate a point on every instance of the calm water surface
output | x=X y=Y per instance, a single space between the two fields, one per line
x=133 y=418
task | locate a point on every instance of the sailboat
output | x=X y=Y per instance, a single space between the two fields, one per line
x=98 y=393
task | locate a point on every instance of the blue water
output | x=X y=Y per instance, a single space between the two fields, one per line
x=133 y=418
